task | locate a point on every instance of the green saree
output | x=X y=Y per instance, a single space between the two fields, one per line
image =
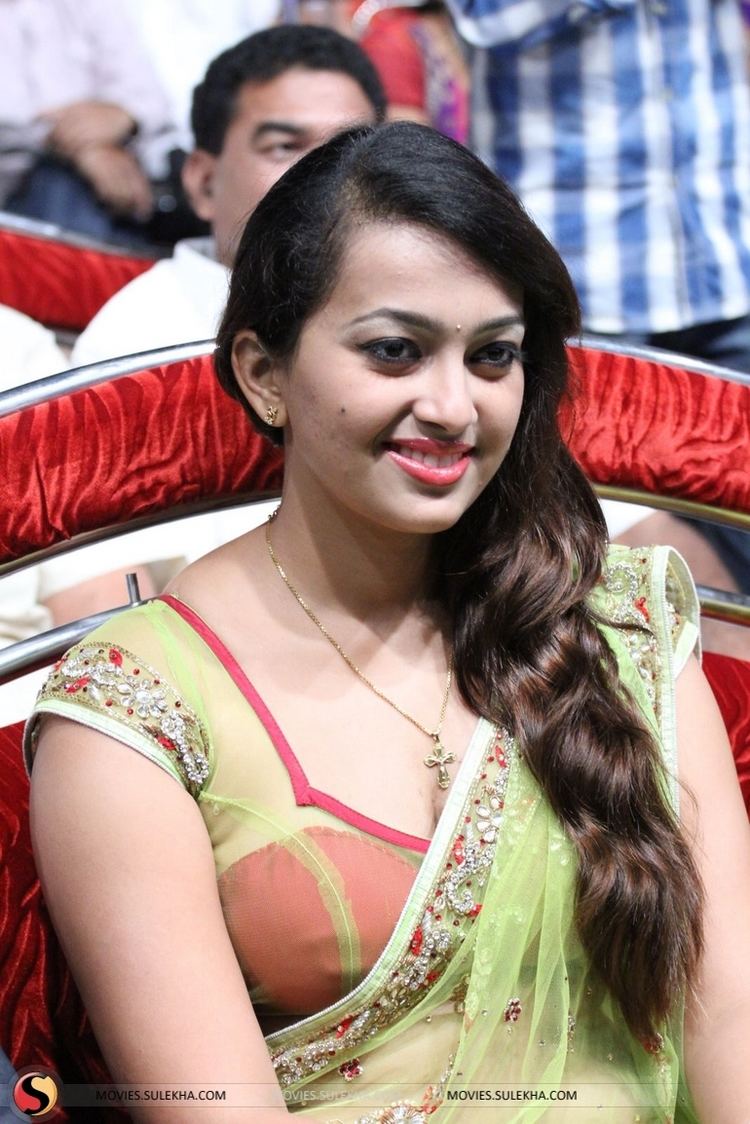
x=477 y=993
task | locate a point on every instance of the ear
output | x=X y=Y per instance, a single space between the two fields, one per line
x=198 y=180
x=259 y=377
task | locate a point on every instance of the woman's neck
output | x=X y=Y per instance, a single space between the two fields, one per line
x=364 y=569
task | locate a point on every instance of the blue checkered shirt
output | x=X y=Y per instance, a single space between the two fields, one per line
x=625 y=129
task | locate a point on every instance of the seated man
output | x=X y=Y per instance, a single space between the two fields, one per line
x=262 y=104
x=84 y=118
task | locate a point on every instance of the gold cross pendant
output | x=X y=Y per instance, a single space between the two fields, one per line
x=441 y=758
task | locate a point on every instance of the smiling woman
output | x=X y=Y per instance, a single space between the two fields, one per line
x=414 y=836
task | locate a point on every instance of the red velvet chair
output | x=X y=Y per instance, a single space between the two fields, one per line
x=115 y=454
x=58 y=278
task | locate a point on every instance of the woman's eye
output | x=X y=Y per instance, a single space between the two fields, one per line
x=393 y=350
x=499 y=355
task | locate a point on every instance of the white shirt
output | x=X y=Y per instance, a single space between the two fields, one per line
x=29 y=351
x=178 y=300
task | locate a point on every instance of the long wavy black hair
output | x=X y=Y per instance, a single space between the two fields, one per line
x=515 y=572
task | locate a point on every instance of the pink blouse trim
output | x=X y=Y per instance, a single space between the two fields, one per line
x=304 y=793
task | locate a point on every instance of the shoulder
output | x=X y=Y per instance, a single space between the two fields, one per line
x=651 y=588
x=131 y=680
x=648 y=613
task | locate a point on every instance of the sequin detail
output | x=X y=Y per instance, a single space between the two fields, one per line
x=111 y=680
x=451 y=909
x=513 y=1009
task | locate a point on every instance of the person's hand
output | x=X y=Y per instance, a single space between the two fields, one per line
x=85 y=123
x=117 y=179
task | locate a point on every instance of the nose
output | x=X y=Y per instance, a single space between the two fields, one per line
x=445 y=399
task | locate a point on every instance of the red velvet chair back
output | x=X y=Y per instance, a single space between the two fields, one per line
x=60 y=280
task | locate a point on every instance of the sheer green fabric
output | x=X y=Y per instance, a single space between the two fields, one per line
x=461 y=989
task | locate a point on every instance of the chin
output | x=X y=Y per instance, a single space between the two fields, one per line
x=442 y=517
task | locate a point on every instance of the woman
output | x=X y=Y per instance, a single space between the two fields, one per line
x=459 y=872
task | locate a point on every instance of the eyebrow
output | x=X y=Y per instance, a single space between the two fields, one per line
x=278 y=127
x=417 y=320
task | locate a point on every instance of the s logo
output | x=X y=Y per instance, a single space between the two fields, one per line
x=35 y=1093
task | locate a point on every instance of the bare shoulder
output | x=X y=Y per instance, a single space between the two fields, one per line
x=226 y=581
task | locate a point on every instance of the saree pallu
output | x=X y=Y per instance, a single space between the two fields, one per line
x=483 y=997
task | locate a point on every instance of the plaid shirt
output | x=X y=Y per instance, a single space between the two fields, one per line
x=625 y=129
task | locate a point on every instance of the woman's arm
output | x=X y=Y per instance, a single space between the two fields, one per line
x=717 y=1030
x=128 y=874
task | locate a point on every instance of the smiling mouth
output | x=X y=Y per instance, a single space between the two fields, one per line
x=430 y=463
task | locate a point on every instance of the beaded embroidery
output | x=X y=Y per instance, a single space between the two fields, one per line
x=110 y=680
x=629 y=600
x=452 y=905
x=627 y=603
x=407 y=1112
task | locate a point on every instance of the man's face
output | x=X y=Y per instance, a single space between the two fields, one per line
x=274 y=124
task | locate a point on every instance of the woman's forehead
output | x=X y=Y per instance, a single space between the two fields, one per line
x=407 y=259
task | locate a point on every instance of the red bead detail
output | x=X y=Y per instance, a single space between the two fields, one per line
x=490 y=759
x=512 y=1011
x=178 y=705
x=157 y=682
x=76 y=685
x=108 y=702
x=438 y=917
x=136 y=671
x=640 y=604
x=475 y=910
x=458 y=851
x=467 y=819
x=351 y=1069
x=417 y=941
x=129 y=710
x=431 y=977
x=343 y=1026
x=115 y=657
x=483 y=777
x=167 y=743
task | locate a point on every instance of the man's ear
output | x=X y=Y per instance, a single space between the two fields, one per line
x=198 y=180
x=258 y=377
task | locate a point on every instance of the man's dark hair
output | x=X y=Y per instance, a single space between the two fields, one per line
x=263 y=57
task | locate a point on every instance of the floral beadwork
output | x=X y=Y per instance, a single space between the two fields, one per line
x=627 y=602
x=451 y=908
x=112 y=681
x=351 y=1069
x=408 y=1112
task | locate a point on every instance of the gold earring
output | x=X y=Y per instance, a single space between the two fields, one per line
x=271 y=415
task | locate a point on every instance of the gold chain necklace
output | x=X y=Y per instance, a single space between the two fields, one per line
x=439 y=757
